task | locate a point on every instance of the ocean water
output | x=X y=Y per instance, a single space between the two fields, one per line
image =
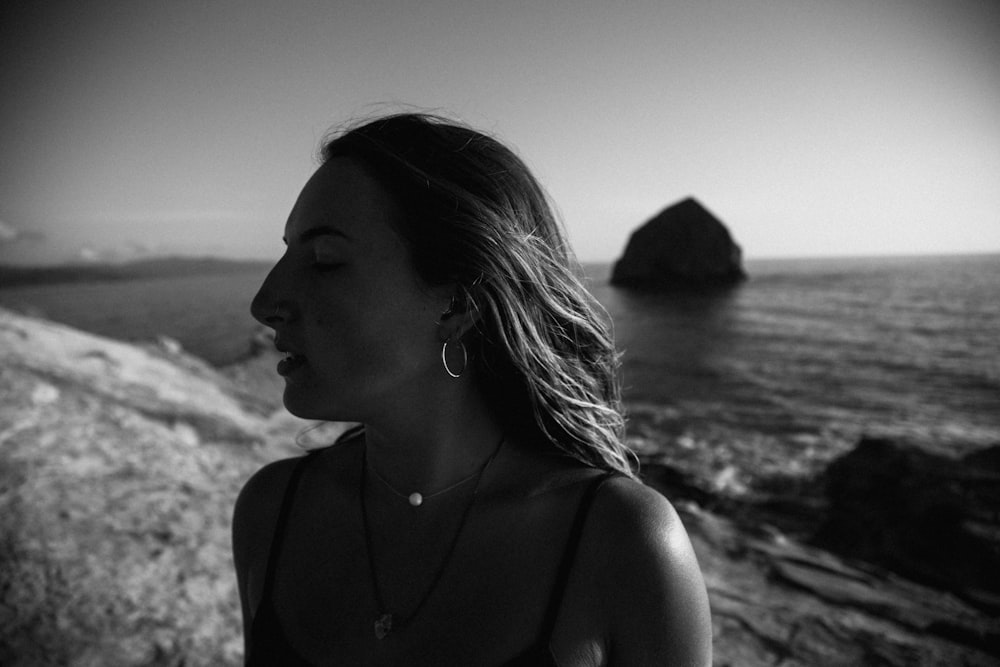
x=808 y=354
x=821 y=352
x=209 y=315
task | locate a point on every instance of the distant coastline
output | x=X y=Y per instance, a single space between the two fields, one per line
x=13 y=275
x=160 y=267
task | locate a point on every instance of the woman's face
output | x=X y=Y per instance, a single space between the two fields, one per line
x=346 y=301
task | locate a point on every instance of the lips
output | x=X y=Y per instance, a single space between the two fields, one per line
x=290 y=364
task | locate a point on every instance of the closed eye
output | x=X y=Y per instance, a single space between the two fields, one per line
x=327 y=255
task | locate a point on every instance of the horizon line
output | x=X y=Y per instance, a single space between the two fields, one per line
x=180 y=256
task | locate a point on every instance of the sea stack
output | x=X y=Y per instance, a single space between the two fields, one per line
x=683 y=247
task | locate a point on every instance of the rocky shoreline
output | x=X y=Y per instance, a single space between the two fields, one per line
x=809 y=575
x=119 y=465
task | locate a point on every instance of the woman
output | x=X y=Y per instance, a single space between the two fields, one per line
x=485 y=512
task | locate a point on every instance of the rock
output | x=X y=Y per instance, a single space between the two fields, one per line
x=683 y=247
x=170 y=345
x=163 y=385
x=777 y=600
x=932 y=518
x=119 y=467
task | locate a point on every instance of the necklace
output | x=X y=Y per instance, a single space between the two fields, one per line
x=385 y=621
x=416 y=499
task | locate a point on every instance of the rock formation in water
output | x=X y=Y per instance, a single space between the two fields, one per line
x=683 y=247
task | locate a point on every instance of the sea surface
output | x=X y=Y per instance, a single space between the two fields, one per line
x=808 y=355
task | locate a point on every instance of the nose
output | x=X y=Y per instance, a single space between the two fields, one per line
x=267 y=306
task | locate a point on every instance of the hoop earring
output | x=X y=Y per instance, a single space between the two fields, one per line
x=444 y=359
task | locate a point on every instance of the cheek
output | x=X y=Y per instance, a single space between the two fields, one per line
x=375 y=326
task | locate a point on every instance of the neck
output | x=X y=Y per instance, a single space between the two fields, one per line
x=429 y=450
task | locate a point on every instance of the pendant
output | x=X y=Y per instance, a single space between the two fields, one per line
x=416 y=499
x=383 y=624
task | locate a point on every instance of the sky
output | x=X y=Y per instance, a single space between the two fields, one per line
x=810 y=128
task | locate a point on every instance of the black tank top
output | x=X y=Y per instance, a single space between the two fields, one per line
x=269 y=647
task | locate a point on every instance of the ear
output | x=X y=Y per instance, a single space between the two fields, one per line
x=459 y=317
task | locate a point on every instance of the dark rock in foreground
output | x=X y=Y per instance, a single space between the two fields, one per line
x=780 y=598
x=778 y=601
x=683 y=247
x=929 y=517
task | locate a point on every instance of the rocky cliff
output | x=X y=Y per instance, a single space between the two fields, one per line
x=683 y=247
x=119 y=466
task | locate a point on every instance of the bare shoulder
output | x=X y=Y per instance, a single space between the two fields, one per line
x=257 y=506
x=265 y=484
x=640 y=520
x=653 y=588
x=259 y=501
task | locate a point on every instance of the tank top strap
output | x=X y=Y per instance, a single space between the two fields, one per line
x=280 y=526
x=569 y=556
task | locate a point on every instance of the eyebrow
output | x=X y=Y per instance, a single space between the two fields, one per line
x=321 y=230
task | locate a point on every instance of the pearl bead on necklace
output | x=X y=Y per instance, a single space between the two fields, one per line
x=416 y=499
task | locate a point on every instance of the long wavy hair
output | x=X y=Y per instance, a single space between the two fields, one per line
x=474 y=216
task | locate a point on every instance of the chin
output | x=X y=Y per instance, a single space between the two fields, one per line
x=307 y=407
